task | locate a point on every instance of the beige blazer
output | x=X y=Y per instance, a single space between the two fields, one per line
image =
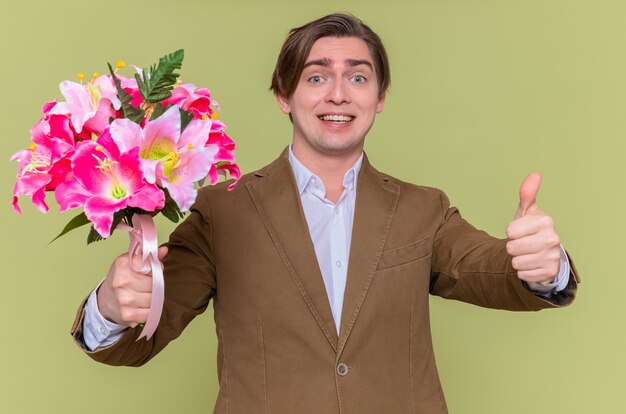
x=250 y=251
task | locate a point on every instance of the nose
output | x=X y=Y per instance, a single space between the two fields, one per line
x=338 y=93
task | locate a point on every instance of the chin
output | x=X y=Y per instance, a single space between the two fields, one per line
x=341 y=147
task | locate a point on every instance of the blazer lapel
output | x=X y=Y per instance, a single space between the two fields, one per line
x=376 y=200
x=275 y=195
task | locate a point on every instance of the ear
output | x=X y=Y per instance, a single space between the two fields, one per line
x=380 y=104
x=283 y=104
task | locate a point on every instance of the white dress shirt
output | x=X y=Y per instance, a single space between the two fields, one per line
x=330 y=226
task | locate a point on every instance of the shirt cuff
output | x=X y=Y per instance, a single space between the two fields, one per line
x=97 y=331
x=560 y=281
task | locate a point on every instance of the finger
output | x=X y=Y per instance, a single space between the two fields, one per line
x=162 y=252
x=528 y=225
x=141 y=283
x=547 y=262
x=141 y=315
x=528 y=193
x=135 y=300
x=528 y=262
x=137 y=261
x=522 y=246
x=542 y=276
x=134 y=316
x=129 y=280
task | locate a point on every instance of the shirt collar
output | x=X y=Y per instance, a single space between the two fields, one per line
x=303 y=175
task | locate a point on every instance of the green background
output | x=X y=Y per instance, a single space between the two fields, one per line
x=482 y=93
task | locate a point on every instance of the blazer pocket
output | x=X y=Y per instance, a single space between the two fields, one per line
x=405 y=254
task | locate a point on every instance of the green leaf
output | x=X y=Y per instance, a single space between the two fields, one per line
x=128 y=111
x=172 y=212
x=93 y=236
x=158 y=111
x=159 y=80
x=76 y=222
x=185 y=116
x=185 y=119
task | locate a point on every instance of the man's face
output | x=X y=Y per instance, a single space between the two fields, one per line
x=336 y=100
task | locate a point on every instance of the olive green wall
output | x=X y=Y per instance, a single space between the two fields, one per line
x=482 y=93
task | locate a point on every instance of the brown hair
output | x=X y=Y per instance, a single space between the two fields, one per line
x=297 y=47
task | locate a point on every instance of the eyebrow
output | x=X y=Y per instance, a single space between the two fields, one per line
x=325 y=62
x=317 y=62
x=357 y=62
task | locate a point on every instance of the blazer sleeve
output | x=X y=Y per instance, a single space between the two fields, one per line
x=189 y=273
x=471 y=266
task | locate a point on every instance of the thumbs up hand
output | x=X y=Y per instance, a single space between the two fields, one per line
x=533 y=241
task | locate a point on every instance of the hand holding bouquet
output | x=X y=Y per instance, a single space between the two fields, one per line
x=123 y=150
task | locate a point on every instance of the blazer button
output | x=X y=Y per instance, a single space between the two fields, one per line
x=342 y=369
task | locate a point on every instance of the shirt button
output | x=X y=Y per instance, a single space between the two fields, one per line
x=342 y=369
x=339 y=263
x=103 y=330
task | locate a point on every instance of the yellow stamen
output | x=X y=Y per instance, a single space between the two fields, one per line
x=120 y=64
x=99 y=148
x=94 y=90
x=170 y=162
x=170 y=159
x=38 y=164
x=108 y=167
x=81 y=76
x=32 y=147
x=95 y=75
x=103 y=164
x=205 y=116
x=214 y=116
x=148 y=109
x=189 y=146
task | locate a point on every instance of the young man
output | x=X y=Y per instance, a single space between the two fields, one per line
x=319 y=266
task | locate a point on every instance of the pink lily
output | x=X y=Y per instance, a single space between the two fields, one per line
x=130 y=87
x=197 y=101
x=36 y=174
x=46 y=163
x=89 y=105
x=225 y=144
x=170 y=159
x=221 y=169
x=107 y=181
x=224 y=160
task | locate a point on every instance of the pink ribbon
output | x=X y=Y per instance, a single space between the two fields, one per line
x=143 y=241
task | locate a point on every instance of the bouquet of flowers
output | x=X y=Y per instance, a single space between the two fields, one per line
x=124 y=149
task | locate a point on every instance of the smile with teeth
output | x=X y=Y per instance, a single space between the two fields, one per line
x=336 y=118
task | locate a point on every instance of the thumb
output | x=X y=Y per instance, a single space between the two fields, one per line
x=162 y=252
x=528 y=193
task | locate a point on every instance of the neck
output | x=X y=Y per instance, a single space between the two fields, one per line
x=330 y=168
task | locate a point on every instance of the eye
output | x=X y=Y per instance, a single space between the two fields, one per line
x=316 y=79
x=358 y=79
